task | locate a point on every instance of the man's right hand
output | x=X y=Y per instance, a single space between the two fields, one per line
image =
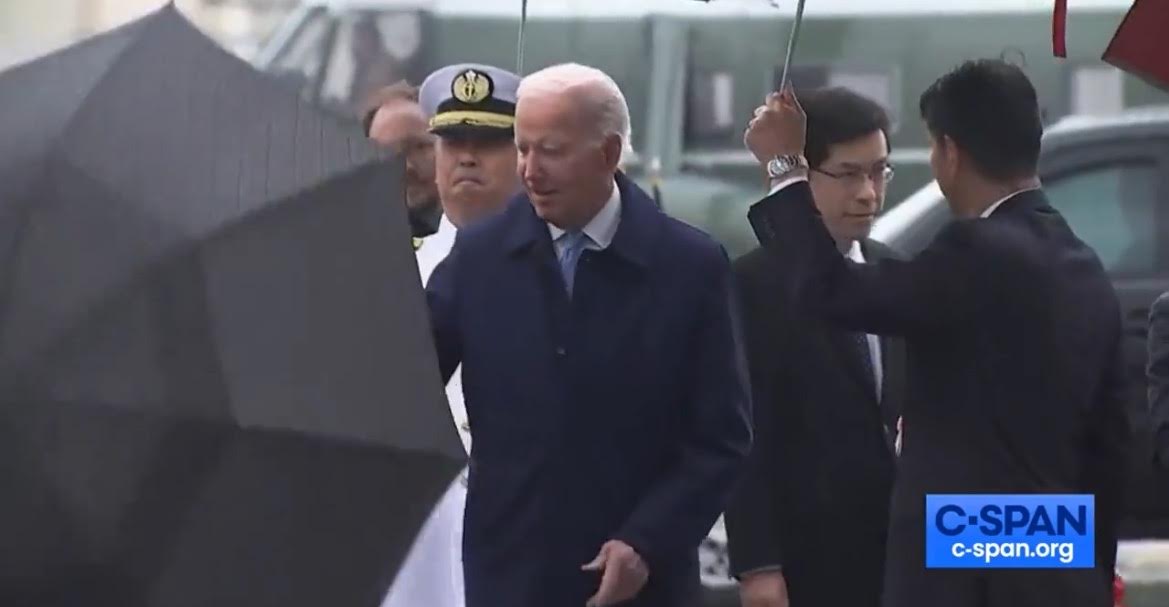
x=763 y=589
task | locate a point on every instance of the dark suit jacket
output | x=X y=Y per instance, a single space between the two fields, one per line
x=1158 y=372
x=623 y=413
x=821 y=468
x=1014 y=370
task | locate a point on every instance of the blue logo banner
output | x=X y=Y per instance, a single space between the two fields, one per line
x=1010 y=531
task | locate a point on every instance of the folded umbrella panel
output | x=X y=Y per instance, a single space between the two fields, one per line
x=39 y=100
x=320 y=303
x=217 y=385
x=176 y=139
x=145 y=511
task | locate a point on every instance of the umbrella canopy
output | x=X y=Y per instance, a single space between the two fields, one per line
x=217 y=385
x=1140 y=46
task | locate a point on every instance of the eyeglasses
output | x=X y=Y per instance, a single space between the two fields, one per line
x=881 y=176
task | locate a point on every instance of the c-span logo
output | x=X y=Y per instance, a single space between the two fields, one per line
x=1010 y=531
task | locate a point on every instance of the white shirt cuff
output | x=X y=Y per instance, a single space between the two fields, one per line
x=783 y=183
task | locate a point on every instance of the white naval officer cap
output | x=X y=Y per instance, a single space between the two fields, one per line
x=470 y=99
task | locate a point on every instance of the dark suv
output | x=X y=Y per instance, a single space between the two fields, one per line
x=1109 y=177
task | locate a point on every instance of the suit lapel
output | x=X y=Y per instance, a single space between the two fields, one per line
x=846 y=347
x=617 y=279
x=892 y=356
x=614 y=280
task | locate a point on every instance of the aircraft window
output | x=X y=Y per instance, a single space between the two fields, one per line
x=1113 y=209
x=1097 y=90
x=710 y=108
x=876 y=83
x=302 y=61
x=710 y=120
x=371 y=50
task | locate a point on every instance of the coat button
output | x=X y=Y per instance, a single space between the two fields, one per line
x=560 y=351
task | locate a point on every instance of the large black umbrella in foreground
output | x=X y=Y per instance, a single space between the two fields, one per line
x=217 y=386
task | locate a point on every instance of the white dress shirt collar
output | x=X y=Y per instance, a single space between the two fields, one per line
x=603 y=226
x=855 y=253
x=996 y=205
x=435 y=248
x=874 y=342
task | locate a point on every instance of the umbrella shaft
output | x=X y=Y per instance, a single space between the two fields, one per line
x=791 y=43
x=519 y=69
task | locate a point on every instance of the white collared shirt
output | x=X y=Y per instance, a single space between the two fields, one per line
x=435 y=248
x=432 y=572
x=855 y=254
x=996 y=205
x=600 y=229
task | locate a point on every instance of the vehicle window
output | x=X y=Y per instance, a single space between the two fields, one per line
x=1113 y=209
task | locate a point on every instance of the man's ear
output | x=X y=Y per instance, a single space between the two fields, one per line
x=953 y=155
x=611 y=148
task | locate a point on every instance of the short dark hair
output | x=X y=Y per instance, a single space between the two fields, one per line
x=990 y=109
x=398 y=91
x=838 y=115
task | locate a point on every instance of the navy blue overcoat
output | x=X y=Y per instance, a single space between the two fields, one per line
x=621 y=413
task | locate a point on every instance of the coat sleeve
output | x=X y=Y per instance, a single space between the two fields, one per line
x=679 y=509
x=754 y=512
x=1107 y=455
x=1158 y=374
x=442 y=297
x=888 y=297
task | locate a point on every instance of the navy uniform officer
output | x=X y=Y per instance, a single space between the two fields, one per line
x=470 y=112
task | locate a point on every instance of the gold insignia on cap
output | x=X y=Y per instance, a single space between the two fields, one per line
x=471 y=86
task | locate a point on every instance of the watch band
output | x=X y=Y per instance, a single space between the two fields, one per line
x=781 y=166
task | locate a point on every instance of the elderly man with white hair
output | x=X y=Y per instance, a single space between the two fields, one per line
x=602 y=371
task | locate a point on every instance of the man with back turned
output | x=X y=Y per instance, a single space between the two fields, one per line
x=1012 y=333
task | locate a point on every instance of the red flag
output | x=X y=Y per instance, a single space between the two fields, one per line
x=1059 y=28
x=1141 y=45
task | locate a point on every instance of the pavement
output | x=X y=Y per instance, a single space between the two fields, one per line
x=1144 y=562
x=1144 y=565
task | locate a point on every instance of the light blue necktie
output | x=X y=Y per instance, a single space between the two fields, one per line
x=572 y=244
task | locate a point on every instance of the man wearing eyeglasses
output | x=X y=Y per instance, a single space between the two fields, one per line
x=1012 y=329
x=825 y=399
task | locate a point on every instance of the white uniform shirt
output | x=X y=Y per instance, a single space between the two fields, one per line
x=432 y=574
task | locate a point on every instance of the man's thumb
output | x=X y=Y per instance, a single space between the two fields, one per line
x=599 y=562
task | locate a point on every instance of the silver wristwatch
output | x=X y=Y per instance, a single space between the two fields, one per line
x=781 y=166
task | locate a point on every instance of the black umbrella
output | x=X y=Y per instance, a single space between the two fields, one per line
x=217 y=385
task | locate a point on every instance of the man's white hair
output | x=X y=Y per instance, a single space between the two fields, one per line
x=600 y=93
